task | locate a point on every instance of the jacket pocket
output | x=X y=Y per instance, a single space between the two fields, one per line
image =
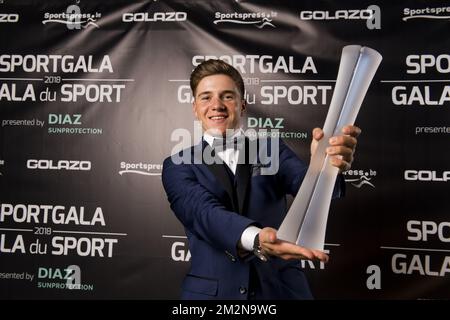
x=200 y=285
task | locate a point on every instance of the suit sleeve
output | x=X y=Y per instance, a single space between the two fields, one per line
x=199 y=210
x=292 y=171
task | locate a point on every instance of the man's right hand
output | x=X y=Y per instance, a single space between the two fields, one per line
x=273 y=246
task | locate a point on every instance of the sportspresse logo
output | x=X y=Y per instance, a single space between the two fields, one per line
x=73 y=18
x=426 y=13
x=360 y=178
x=146 y=169
x=257 y=19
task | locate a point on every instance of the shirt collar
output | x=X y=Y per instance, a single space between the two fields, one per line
x=209 y=138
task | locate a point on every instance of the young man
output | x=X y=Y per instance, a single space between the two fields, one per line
x=229 y=210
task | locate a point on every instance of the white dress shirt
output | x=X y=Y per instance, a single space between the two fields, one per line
x=229 y=155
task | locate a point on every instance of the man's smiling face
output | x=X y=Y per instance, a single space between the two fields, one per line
x=218 y=104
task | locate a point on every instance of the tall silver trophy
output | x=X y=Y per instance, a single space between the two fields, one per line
x=306 y=220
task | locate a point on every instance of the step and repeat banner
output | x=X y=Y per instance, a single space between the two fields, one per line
x=93 y=95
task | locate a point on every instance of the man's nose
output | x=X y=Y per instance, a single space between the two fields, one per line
x=217 y=103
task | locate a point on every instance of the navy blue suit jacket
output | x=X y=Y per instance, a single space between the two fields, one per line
x=214 y=220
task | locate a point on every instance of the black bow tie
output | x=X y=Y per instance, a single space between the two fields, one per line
x=220 y=144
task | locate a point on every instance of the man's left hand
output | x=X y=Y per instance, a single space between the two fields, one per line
x=341 y=149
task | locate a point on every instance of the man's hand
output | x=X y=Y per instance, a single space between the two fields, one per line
x=341 y=148
x=286 y=250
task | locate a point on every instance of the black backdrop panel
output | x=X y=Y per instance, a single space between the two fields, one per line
x=91 y=93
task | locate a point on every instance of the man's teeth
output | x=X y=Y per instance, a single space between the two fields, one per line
x=217 y=117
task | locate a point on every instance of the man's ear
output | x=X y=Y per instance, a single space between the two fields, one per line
x=243 y=107
x=194 y=110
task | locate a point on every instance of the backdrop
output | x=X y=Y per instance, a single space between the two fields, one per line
x=92 y=91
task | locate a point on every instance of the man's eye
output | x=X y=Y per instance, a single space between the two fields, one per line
x=229 y=97
x=204 y=98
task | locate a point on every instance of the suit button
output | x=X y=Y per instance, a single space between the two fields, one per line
x=242 y=290
x=232 y=258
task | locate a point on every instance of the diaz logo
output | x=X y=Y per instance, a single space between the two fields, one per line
x=73 y=18
x=258 y=19
x=359 y=178
x=68 y=278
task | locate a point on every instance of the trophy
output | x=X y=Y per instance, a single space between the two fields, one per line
x=306 y=221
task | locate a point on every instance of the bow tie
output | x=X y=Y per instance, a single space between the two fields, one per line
x=220 y=144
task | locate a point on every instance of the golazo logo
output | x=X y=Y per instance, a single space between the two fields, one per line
x=44 y=164
x=9 y=17
x=147 y=169
x=372 y=14
x=426 y=175
x=73 y=18
x=154 y=17
x=359 y=178
x=426 y=13
x=258 y=19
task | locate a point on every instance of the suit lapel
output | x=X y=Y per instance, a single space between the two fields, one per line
x=242 y=177
x=220 y=173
